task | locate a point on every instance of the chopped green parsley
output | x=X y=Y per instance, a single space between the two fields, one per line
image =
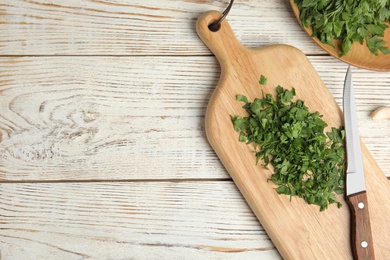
x=306 y=162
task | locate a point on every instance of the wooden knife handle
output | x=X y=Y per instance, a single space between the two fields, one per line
x=361 y=237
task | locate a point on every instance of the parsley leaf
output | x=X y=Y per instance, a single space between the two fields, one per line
x=263 y=80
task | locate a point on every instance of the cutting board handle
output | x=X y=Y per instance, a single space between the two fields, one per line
x=223 y=43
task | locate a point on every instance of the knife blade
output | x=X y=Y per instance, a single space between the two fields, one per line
x=361 y=236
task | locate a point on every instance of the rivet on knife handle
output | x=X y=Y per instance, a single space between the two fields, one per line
x=362 y=243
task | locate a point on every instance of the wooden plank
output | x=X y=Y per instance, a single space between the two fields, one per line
x=138 y=27
x=121 y=118
x=97 y=118
x=139 y=220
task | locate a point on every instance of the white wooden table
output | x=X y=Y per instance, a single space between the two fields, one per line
x=103 y=153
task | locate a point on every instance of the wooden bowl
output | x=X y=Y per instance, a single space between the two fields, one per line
x=359 y=55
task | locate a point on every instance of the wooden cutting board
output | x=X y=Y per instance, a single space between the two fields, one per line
x=298 y=230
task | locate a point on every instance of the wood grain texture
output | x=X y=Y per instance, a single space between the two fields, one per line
x=96 y=118
x=361 y=231
x=283 y=219
x=137 y=27
x=190 y=220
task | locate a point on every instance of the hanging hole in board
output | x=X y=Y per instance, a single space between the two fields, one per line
x=215 y=26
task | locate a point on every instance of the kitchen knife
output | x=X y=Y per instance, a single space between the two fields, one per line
x=361 y=237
